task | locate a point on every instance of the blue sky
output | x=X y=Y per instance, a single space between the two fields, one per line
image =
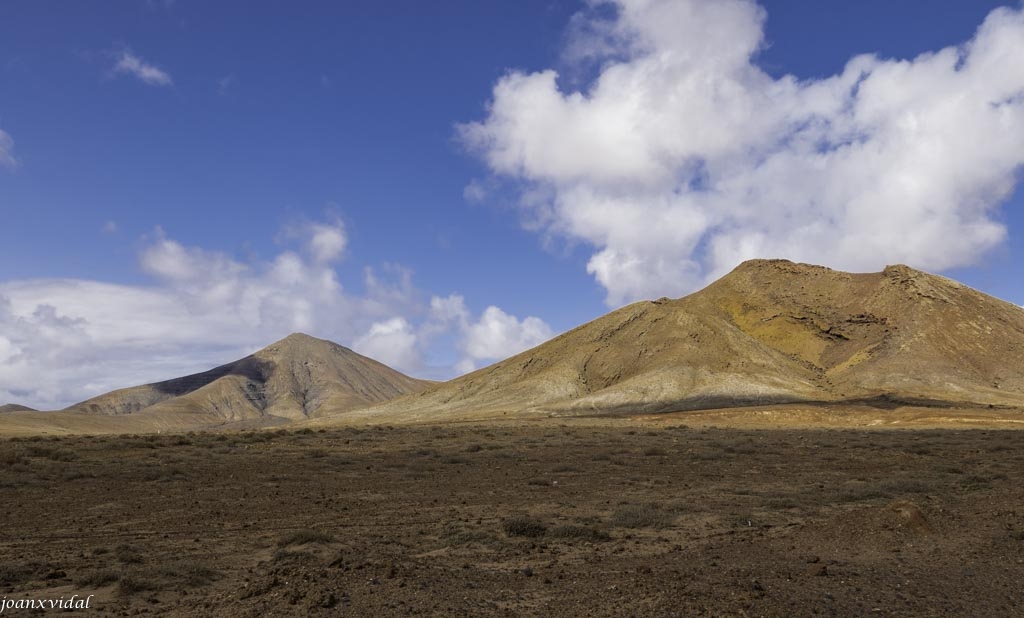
x=440 y=185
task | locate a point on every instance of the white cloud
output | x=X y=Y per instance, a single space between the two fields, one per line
x=130 y=64
x=327 y=242
x=65 y=340
x=323 y=242
x=683 y=158
x=475 y=191
x=497 y=335
x=7 y=151
x=69 y=339
x=392 y=342
x=494 y=336
x=110 y=227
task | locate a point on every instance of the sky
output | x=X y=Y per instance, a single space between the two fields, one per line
x=442 y=185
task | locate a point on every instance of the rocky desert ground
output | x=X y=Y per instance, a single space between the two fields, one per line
x=585 y=517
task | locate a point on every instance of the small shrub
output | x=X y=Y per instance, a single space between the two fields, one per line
x=523 y=525
x=53 y=454
x=578 y=533
x=304 y=537
x=912 y=486
x=645 y=515
x=11 y=459
x=97 y=579
x=128 y=554
x=15 y=573
x=289 y=555
x=455 y=534
x=130 y=584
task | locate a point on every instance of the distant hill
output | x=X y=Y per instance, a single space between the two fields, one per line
x=13 y=407
x=771 y=331
x=297 y=377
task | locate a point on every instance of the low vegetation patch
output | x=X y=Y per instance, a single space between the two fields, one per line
x=53 y=454
x=523 y=525
x=574 y=532
x=455 y=534
x=644 y=515
x=305 y=537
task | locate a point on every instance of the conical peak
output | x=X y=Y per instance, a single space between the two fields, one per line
x=779 y=265
x=299 y=338
x=298 y=344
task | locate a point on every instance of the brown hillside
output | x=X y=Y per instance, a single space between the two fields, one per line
x=771 y=331
x=297 y=377
x=13 y=407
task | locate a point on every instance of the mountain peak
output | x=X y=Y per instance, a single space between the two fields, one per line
x=298 y=337
x=762 y=265
x=296 y=377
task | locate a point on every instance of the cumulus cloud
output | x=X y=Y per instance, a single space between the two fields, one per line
x=392 y=342
x=493 y=336
x=683 y=158
x=130 y=64
x=323 y=242
x=7 y=151
x=65 y=340
x=497 y=334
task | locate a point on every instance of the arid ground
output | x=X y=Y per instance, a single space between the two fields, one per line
x=585 y=518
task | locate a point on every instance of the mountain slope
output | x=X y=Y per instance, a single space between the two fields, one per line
x=13 y=407
x=297 y=377
x=771 y=331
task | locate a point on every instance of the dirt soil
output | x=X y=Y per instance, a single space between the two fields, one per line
x=544 y=519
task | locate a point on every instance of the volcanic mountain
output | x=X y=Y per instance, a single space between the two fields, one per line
x=297 y=377
x=771 y=331
x=14 y=407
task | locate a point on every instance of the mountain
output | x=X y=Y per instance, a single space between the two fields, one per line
x=297 y=377
x=13 y=407
x=771 y=331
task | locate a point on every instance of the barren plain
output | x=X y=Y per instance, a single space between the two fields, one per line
x=588 y=517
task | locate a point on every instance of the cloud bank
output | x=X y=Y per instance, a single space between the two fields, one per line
x=65 y=340
x=683 y=158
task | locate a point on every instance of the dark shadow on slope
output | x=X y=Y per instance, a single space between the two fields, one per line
x=250 y=368
x=887 y=401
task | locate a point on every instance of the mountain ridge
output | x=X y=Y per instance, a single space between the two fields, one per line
x=769 y=332
x=296 y=377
